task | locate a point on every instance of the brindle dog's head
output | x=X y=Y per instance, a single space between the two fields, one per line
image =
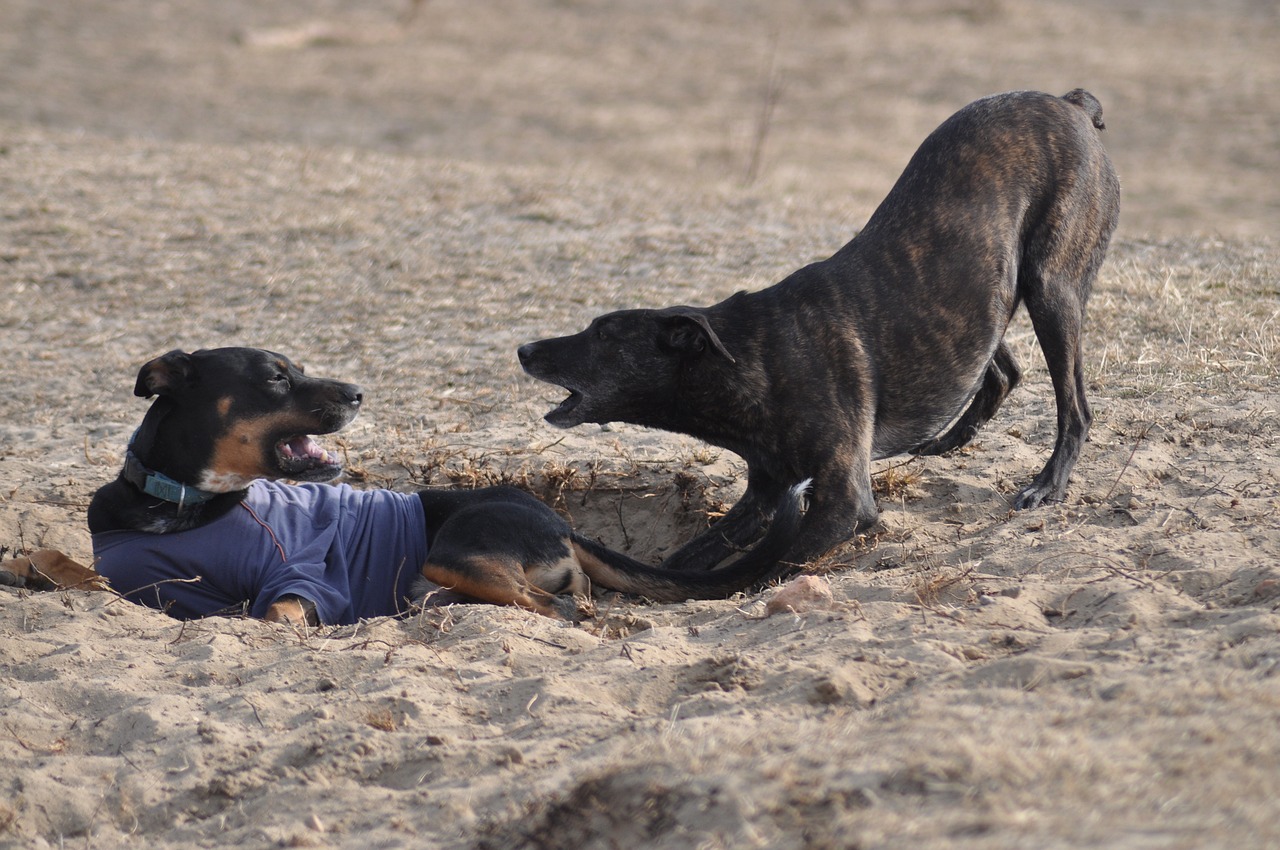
x=227 y=416
x=624 y=366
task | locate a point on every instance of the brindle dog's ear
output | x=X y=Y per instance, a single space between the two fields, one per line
x=687 y=329
x=165 y=375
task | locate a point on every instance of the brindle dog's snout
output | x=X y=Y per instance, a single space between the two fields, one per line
x=351 y=395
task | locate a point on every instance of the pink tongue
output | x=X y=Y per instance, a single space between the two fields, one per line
x=303 y=447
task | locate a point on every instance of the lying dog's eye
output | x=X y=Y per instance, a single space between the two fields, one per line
x=280 y=381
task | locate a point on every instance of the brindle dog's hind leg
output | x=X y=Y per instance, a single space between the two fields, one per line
x=1058 y=321
x=1002 y=375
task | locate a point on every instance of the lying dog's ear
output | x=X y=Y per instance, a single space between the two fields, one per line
x=687 y=329
x=165 y=375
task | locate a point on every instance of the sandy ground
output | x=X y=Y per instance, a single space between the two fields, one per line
x=400 y=194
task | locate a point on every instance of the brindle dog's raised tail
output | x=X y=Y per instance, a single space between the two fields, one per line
x=757 y=565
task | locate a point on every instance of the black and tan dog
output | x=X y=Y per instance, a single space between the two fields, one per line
x=874 y=351
x=198 y=523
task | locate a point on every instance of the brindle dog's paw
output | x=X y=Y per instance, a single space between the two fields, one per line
x=1034 y=496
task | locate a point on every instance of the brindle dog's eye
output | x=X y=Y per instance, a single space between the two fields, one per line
x=280 y=381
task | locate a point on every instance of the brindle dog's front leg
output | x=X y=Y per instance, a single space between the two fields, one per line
x=742 y=524
x=841 y=505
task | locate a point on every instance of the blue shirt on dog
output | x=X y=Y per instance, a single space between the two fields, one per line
x=354 y=553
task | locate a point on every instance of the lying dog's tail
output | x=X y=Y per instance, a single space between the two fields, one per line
x=1090 y=104
x=616 y=571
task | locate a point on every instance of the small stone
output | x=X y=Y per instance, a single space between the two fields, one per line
x=806 y=593
x=1267 y=588
x=837 y=687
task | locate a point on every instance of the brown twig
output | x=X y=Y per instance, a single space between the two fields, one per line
x=1141 y=436
x=770 y=94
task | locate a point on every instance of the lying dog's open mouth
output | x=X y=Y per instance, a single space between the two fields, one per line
x=302 y=458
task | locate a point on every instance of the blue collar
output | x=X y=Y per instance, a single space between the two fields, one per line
x=162 y=486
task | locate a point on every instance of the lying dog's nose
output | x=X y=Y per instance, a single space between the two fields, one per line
x=524 y=352
x=352 y=395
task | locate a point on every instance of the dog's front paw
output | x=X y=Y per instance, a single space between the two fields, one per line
x=1034 y=496
x=13 y=573
x=49 y=569
x=293 y=611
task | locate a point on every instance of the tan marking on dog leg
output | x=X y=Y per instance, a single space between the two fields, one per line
x=497 y=581
x=50 y=569
x=290 y=611
x=603 y=574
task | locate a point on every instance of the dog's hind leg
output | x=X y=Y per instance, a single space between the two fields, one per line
x=1002 y=375
x=1059 y=265
x=1060 y=260
x=497 y=580
x=1057 y=314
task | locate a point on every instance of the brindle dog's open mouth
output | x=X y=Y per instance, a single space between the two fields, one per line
x=568 y=404
x=301 y=456
x=563 y=415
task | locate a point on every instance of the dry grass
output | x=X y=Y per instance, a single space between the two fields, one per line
x=1186 y=317
x=382 y=719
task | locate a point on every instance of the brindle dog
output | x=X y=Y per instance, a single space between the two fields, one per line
x=874 y=351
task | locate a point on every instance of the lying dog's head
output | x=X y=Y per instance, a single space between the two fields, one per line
x=227 y=416
x=625 y=365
